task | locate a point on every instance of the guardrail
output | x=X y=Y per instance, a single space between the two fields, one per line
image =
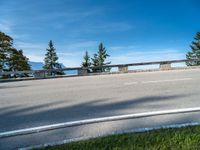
x=122 y=68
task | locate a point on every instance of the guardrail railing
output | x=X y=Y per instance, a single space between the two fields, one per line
x=122 y=68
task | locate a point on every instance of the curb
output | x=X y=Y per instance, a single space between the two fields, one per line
x=94 y=120
x=140 y=130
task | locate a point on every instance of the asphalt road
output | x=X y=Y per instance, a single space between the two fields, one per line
x=28 y=104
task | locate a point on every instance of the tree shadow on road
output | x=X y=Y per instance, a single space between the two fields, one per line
x=13 y=118
x=15 y=86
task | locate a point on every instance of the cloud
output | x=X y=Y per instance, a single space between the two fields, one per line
x=35 y=58
x=120 y=48
x=61 y=19
x=110 y=27
x=79 y=45
x=101 y=27
x=5 y=26
x=69 y=54
x=144 y=56
x=30 y=46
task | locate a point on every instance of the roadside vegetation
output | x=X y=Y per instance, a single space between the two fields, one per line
x=187 y=138
x=12 y=59
x=195 y=51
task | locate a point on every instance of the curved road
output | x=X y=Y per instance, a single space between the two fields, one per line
x=35 y=103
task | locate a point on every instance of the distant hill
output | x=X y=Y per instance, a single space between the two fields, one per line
x=39 y=66
x=36 y=65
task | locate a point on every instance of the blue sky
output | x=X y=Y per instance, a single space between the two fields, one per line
x=132 y=31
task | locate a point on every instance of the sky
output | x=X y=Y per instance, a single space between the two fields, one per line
x=131 y=30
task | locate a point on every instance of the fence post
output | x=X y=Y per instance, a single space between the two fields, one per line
x=1 y=72
x=123 y=69
x=165 y=66
x=82 y=72
x=39 y=74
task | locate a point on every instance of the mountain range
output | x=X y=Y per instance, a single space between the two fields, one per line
x=39 y=66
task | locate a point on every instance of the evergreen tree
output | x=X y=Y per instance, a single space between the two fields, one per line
x=11 y=59
x=60 y=72
x=95 y=63
x=51 y=60
x=5 y=44
x=86 y=61
x=195 y=53
x=99 y=59
x=17 y=61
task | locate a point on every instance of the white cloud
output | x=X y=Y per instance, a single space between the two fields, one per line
x=101 y=27
x=30 y=46
x=110 y=27
x=35 y=58
x=80 y=45
x=69 y=54
x=142 y=56
x=5 y=26
x=70 y=62
x=120 y=48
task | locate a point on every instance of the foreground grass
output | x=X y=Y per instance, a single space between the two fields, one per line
x=182 y=138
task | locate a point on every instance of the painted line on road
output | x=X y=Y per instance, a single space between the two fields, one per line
x=94 y=120
x=157 y=81
x=160 y=81
x=131 y=83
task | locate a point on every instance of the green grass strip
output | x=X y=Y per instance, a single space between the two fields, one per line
x=187 y=138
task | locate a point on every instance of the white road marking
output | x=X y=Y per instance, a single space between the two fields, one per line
x=94 y=120
x=157 y=81
x=130 y=83
x=160 y=81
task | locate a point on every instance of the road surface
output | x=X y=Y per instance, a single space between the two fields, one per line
x=35 y=103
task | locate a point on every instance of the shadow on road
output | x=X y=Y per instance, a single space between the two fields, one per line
x=10 y=87
x=16 y=117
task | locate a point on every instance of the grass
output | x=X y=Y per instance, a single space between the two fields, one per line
x=187 y=138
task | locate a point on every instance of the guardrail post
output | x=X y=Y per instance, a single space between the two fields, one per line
x=1 y=72
x=82 y=72
x=165 y=66
x=39 y=74
x=123 y=69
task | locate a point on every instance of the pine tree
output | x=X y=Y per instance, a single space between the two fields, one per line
x=95 y=63
x=5 y=44
x=195 y=53
x=86 y=61
x=51 y=60
x=17 y=60
x=99 y=59
x=58 y=66
x=11 y=59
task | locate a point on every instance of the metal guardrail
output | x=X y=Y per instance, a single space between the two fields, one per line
x=164 y=65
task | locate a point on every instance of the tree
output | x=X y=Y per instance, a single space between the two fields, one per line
x=17 y=61
x=11 y=59
x=51 y=60
x=5 y=44
x=99 y=59
x=86 y=61
x=95 y=63
x=195 y=53
x=60 y=72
